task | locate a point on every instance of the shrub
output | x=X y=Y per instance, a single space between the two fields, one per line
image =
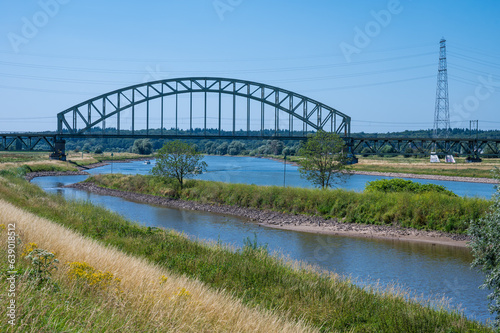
x=401 y=185
x=42 y=263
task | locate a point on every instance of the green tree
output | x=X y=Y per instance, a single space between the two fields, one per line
x=178 y=160
x=222 y=148
x=485 y=246
x=323 y=161
x=86 y=148
x=98 y=149
x=236 y=147
x=142 y=147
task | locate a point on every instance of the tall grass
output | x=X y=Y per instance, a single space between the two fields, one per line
x=24 y=168
x=259 y=280
x=427 y=210
x=459 y=171
x=151 y=297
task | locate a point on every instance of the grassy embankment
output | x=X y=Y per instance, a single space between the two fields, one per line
x=259 y=280
x=100 y=289
x=38 y=162
x=432 y=211
x=88 y=158
x=32 y=162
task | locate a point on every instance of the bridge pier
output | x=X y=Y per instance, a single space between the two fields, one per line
x=59 y=150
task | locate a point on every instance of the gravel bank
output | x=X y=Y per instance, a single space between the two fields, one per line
x=303 y=223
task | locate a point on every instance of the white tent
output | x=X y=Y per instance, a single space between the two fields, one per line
x=434 y=158
x=450 y=159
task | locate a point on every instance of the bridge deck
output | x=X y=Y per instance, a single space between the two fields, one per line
x=358 y=145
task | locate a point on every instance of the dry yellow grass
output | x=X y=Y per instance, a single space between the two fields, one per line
x=8 y=165
x=487 y=164
x=144 y=286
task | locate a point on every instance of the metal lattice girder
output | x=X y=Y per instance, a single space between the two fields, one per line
x=424 y=147
x=313 y=114
x=27 y=142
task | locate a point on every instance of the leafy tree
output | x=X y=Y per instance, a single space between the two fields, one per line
x=222 y=148
x=387 y=151
x=98 y=150
x=485 y=247
x=236 y=147
x=86 y=148
x=323 y=159
x=178 y=160
x=142 y=147
x=275 y=147
x=210 y=147
x=365 y=152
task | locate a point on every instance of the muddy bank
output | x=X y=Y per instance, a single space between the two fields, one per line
x=302 y=223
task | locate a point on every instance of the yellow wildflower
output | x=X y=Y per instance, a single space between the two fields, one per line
x=163 y=279
x=28 y=248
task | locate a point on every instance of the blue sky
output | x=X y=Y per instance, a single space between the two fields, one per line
x=57 y=53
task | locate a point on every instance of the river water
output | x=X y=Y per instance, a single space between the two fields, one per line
x=432 y=271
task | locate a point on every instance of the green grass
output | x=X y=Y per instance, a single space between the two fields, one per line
x=24 y=169
x=249 y=273
x=427 y=210
x=16 y=157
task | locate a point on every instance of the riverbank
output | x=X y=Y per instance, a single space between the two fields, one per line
x=293 y=291
x=431 y=177
x=301 y=223
x=410 y=175
x=98 y=288
x=81 y=169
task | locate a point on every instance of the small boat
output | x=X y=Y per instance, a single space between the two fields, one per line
x=147 y=162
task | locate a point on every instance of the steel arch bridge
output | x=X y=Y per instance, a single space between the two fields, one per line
x=82 y=119
x=279 y=114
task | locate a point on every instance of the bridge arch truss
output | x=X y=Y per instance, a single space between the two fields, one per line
x=106 y=109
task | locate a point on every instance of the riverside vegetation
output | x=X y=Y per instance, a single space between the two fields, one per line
x=302 y=297
x=100 y=289
x=412 y=205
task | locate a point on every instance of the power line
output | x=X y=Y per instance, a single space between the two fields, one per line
x=342 y=76
x=261 y=70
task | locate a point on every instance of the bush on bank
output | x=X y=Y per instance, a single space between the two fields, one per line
x=402 y=185
x=429 y=210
